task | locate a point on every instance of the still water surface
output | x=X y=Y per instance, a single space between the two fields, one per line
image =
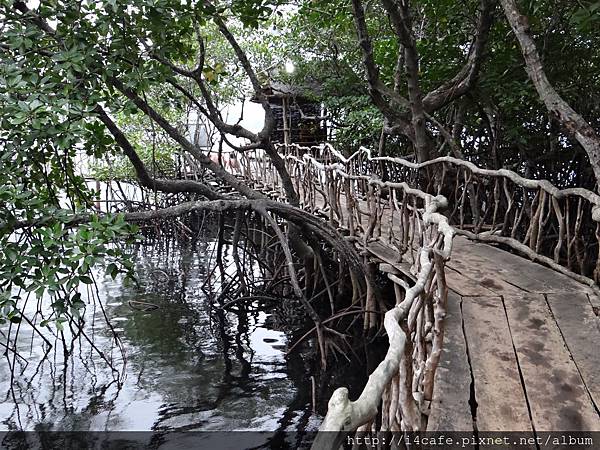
x=187 y=367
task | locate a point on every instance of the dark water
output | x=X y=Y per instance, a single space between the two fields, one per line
x=186 y=366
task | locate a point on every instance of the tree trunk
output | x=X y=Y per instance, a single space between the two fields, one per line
x=400 y=17
x=576 y=125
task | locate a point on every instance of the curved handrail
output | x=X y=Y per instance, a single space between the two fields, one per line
x=346 y=415
x=553 y=227
x=528 y=183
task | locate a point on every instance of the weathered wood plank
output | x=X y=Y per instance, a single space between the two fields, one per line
x=580 y=329
x=391 y=257
x=389 y=268
x=508 y=269
x=512 y=268
x=481 y=275
x=501 y=403
x=450 y=409
x=465 y=286
x=557 y=398
x=384 y=252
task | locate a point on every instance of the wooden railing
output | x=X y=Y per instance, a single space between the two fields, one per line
x=397 y=201
x=557 y=227
x=408 y=220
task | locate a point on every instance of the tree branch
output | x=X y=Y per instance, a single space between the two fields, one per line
x=184 y=143
x=212 y=113
x=399 y=13
x=574 y=123
x=376 y=86
x=464 y=80
x=145 y=180
x=265 y=134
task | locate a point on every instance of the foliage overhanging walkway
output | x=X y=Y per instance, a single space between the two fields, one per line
x=518 y=338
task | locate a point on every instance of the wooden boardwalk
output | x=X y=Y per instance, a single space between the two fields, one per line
x=521 y=340
x=521 y=344
x=521 y=347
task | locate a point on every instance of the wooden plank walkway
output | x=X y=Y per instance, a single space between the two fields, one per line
x=520 y=348
x=530 y=336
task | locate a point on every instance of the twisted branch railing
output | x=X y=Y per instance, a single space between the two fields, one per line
x=557 y=227
x=362 y=194
x=408 y=219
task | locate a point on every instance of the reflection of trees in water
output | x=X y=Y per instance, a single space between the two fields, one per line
x=162 y=343
x=194 y=350
x=43 y=395
x=230 y=329
x=236 y=310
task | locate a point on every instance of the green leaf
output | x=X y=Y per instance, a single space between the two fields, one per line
x=112 y=270
x=86 y=279
x=15 y=319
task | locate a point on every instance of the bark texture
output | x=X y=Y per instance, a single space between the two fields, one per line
x=572 y=122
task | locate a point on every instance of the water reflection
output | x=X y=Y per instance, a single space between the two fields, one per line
x=188 y=366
